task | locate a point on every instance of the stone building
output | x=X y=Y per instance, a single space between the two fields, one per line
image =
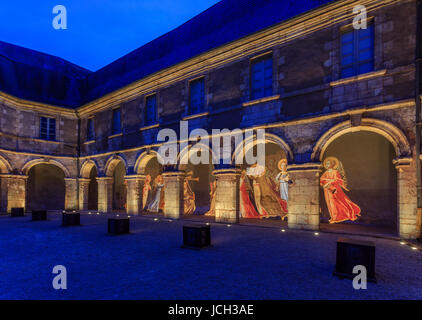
x=75 y=139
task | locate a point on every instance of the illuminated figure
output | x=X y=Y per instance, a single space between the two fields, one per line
x=146 y=190
x=213 y=188
x=283 y=180
x=267 y=199
x=188 y=195
x=247 y=205
x=157 y=202
x=333 y=181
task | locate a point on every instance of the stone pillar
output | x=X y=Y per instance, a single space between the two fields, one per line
x=83 y=193
x=173 y=194
x=227 y=195
x=71 y=194
x=134 y=193
x=13 y=189
x=407 y=199
x=3 y=193
x=303 y=204
x=105 y=194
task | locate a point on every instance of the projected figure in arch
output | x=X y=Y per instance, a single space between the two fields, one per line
x=333 y=181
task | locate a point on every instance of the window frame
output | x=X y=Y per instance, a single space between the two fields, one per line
x=48 y=136
x=252 y=62
x=204 y=100
x=356 y=63
x=112 y=121
x=88 y=136
x=155 y=121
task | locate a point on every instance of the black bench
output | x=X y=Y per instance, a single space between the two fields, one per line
x=118 y=225
x=350 y=253
x=71 y=218
x=39 y=215
x=17 y=212
x=196 y=236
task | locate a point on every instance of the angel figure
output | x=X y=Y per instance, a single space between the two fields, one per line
x=333 y=181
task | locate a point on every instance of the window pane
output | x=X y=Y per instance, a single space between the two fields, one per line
x=197 y=96
x=347 y=37
x=366 y=67
x=117 y=127
x=262 y=78
x=357 y=51
x=151 y=110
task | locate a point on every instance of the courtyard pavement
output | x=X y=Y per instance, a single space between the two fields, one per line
x=245 y=262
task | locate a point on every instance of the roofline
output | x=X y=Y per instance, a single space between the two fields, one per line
x=256 y=42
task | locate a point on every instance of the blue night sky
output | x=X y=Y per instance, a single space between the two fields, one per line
x=98 y=31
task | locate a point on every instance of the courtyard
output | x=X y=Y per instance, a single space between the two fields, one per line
x=245 y=262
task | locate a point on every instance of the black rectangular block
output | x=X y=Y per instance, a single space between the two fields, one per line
x=351 y=253
x=118 y=225
x=71 y=219
x=196 y=236
x=38 y=215
x=17 y=212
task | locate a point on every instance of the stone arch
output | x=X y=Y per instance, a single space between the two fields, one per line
x=86 y=168
x=143 y=159
x=111 y=164
x=393 y=134
x=268 y=138
x=28 y=165
x=184 y=154
x=5 y=166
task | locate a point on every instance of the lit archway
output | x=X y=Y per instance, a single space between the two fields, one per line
x=45 y=187
x=89 y=171
x=365 y=190
x=261 y=195
x=5 y=168
x=116 y=168
x=148 y=165
x=199 y=182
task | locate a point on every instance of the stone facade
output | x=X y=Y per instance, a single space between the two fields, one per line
x=310 y=107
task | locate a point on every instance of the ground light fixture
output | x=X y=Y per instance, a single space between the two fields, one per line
x=283 y=230
x=316 y=233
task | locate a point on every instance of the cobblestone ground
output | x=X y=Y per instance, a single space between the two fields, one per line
x=245 y=263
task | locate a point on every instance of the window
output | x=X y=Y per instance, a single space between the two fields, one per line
x=90 y=132
x=150 y=110
x=262 y=77
x=197 y=96
x=357 y=51
x=47 y=128
x=117 y=122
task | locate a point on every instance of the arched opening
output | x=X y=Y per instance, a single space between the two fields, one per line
x=46 y=187
x=93 y=189
x=119 y=187
x=359 y=182
x=263 y=187
x=153 y=189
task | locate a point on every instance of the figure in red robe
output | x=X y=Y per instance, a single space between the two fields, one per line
x=341 y=208
x=247 y=208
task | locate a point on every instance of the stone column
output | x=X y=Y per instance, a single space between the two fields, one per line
x=407 y=199
x=173 y=194
x=105 y=194
x=83 y=193
x=3 y=193
x=13 y=189
x=71 y=194
x=227 y=195
x=303 y=204
x=134 y=193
